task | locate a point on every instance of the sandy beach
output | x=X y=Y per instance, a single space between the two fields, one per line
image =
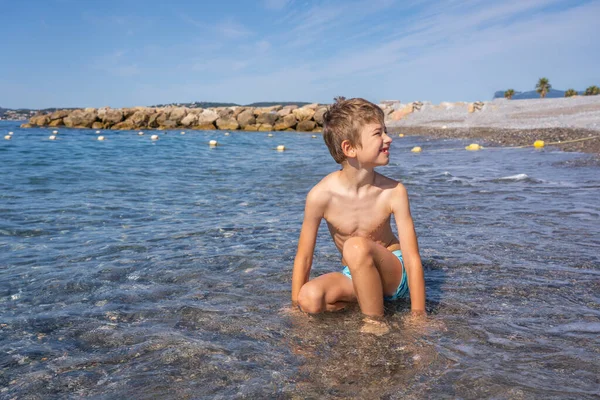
x=512 y=122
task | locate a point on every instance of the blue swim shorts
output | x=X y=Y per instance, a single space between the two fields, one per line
x=402 y=290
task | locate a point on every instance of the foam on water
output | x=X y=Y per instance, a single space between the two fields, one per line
x=139 y=269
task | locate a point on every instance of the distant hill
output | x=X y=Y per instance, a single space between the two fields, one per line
x=532 y=94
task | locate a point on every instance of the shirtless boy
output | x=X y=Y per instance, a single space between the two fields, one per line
x=357 y=204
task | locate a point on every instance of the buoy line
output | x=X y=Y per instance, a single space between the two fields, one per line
x=538 y=144
x=554 y=143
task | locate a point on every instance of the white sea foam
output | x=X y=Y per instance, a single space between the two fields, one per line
x=518 y=177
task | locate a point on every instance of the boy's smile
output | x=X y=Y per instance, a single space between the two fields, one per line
x=375 y=141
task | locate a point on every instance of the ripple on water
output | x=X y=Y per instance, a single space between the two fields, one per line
x=132 y=269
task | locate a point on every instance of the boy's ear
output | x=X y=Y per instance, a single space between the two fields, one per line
x=348 y=149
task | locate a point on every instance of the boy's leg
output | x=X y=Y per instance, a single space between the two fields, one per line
x=329 y=292
x=375 y=271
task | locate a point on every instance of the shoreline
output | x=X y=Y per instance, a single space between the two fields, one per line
x=498 y=137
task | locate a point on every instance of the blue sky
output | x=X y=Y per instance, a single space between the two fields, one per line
x=67 y=53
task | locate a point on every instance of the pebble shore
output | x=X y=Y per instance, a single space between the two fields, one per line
x=514 y=137
x=513 y=123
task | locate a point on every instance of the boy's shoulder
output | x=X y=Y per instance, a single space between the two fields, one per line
x=387 y=183
x=331 y=183
x=324 y=187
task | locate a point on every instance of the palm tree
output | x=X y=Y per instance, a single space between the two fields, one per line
x=592 y=91
x=571 y=93
x=509 y=94
x=543 y=86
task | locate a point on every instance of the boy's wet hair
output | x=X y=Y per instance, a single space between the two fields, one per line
x=344 y=120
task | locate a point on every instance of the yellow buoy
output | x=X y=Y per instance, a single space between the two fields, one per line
x=226 y=133
x=314 y=136
x=7 y=137
x=10 y=133
x=183 y=133
x=213 y=143
x=140 y=133
x=444 y=127
x=401 y=135
x=55 y=132
x=97 y=132
x=270 y=135
x=473 y=147
x=281 y=148
x=416 y=149
x=52 y=137
x=538 y=144
x=154 y=137
x=100 y=137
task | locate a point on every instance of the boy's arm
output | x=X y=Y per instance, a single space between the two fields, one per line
x=410 y=249
x=313 y=213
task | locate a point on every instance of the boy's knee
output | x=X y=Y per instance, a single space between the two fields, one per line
x=356 y=248
x=311 y=299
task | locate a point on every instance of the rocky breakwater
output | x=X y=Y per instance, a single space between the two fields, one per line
x=308 y=118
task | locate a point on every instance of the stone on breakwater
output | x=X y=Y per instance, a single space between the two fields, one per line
x=111 y=117
x=304 y=113
x=39 y=120
x=285 y=122
x=265 y=128
x=228 y=123
x=207 y=116
x=81 y=118
x=306 y=126
x=128 y=112
x=205 y=126
x=189 y=120
x=262 y=110
x=246 y=118
x=140 y=118
x=318 y=116
x=287 y=110
x=59 y=114
x=225 y=112
x=123 y=125
x=56 y=122
x=168 y=124
x=267 y=118
x=307 y=118
x=152 y=121
x=177 y=115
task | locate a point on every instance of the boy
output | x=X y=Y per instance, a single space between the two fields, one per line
x=357 y=204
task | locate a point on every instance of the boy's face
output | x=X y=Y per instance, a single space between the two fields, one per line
x=375 y=145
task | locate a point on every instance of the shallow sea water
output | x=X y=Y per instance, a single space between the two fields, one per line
x=139 y=269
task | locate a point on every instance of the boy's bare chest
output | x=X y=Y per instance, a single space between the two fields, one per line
x=368 y=217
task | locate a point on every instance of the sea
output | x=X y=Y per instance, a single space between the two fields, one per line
x=142 y=269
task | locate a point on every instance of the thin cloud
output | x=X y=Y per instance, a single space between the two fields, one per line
x=226 y=28
x=231 y=29
x=275 y=4
x=116 y=64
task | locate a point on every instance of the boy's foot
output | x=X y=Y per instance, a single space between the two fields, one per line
x=374 y=327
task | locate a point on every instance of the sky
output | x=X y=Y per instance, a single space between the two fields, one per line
x=68 y=53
